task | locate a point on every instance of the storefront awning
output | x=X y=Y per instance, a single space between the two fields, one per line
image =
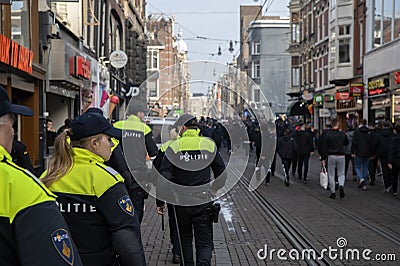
x=297 y=108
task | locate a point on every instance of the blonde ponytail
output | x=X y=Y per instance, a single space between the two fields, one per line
x=61 y=161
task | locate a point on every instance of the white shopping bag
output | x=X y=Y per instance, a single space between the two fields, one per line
x=323 y=177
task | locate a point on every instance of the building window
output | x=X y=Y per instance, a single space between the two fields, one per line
x=295 y=77
x=255 y=70
x=397 y=19
x=256 y=47
x=344 y=50
x=152 y=88
x=21 y=22
x=386 y=21
x=257 y=95
x=152 y=59
x=344 y=30
x=362 y=41
x=333 y=47
x=295 y=33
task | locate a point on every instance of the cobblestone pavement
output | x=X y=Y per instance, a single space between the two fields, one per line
x=365 y=219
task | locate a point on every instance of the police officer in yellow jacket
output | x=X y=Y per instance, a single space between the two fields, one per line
x=137 y=143
x=32 y=229
x=188 y=161
x=92 y=197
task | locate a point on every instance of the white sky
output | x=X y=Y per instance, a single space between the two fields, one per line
x=216 y=20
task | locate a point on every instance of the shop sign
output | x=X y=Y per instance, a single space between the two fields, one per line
x=356 y=90
x=15 y=55
x=329 y=98
x=318 y=98
x=396 y=77
x=324 y=113
x=79 y=67
x=307 y=96
x=118 y=59
x=343 y=96
x=377 y=91
x=379 y=83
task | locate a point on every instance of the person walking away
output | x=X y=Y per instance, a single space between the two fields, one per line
x=138 y=144
x=361 y=151
x=92 y=196
x=286 y=150
x=383 y=145
x=194 y=219
x=32 y=229
x=295 y=158
x=394 y=159
x=333 y=143
x=173 y=229
x=257 y=144
x=373 y=161
x=347 y=150
x=304 y=148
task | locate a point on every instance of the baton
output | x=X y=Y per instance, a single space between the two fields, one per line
x=162 y=222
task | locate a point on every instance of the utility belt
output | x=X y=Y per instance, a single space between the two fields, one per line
x=210 y=214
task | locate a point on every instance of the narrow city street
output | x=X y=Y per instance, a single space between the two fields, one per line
x=360 y=221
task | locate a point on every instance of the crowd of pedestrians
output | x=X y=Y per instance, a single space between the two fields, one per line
x=100 y=183
x=370 y=149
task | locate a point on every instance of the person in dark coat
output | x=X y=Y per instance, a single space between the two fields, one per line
x=257 y=144
x=20 y=156
x=304 y=147
x=373 y=162
x=64 y=127
x=333 y=153
x=347 y=150
x=394 y=160
x=294 y=165
x=286 y=150
x=361 y=151
x=383 y=146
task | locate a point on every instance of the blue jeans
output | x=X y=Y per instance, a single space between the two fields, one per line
x=361 y=165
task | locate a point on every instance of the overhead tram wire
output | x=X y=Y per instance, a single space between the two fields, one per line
x=196 y=36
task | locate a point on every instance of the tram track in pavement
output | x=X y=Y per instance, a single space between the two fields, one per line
x=349 y=213
x=295 y=237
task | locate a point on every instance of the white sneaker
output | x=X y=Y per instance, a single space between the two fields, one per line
x=257 y=168
x=387 y=189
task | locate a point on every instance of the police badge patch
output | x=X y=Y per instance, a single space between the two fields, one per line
x=126 y=204
x=63 y=245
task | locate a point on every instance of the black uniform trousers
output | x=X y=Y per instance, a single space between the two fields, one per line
x=173 y=230
x=203 y=234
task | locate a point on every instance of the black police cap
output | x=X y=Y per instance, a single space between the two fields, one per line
x=186 y=120
x=6 y=107
x=94 y=110
x=90 y=124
